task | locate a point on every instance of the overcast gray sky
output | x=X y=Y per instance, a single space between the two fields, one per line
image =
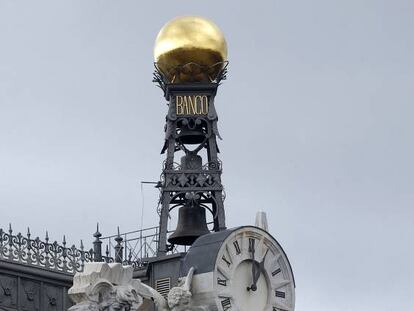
x=326 y=88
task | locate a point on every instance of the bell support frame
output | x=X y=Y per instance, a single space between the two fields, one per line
x=177 y=180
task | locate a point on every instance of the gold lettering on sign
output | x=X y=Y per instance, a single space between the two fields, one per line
x=179 y=105
x=185 y=104
x=204 y=105
x=197 y=99
x=191 y=104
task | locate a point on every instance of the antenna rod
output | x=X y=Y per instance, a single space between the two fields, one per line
x=143 y=200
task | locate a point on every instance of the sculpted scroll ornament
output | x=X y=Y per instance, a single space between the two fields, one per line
x=110 y=287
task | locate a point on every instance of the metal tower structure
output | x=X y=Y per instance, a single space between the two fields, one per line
x=190 y=129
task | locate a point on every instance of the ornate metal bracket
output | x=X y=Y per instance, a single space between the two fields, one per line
x=194 y=72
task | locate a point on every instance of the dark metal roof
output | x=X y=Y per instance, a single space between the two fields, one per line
x=203 y=253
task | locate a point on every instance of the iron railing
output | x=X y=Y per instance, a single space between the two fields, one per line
x=133 y=248
x=43 y=254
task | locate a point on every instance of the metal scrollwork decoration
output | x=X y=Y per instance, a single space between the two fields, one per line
x=178 y=179
x=132 y=249
x=35 y=252
x=194 y=70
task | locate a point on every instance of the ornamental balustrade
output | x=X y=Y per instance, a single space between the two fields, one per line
x=130 y=248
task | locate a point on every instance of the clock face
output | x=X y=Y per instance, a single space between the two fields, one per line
x=253 y=273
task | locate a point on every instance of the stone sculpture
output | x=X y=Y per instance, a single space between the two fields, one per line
x=179 y=298
x=110 y=287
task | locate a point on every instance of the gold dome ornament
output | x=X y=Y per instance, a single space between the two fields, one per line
x=190 y=49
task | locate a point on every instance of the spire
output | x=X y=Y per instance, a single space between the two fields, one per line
x=261 y=220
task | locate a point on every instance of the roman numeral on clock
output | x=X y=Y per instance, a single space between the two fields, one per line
x=237 y=247
x=226 y=260
x=280 y=294
x=276 y=271
x=221 y=282
x=251 y=245
x=226 y=304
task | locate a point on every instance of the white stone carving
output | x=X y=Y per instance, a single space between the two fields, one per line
x=179 y=298
x=110 y=287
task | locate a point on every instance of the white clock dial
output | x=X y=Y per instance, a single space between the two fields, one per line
x=253 y=273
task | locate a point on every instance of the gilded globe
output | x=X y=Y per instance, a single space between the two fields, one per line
x=190 y=49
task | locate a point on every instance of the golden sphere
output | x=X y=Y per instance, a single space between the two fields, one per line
x=186 y=46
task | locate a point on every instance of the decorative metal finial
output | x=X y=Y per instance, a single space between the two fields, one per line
x=190 y=49
x=97 y=245
x=118 y=248
x=97 y=234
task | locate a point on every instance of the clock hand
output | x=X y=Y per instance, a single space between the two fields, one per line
x=261 y=264
x=253 y=287
x=256 y=273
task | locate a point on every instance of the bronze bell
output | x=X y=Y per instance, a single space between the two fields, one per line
x=191 y=161
x=191 y=225
x=191 y=136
